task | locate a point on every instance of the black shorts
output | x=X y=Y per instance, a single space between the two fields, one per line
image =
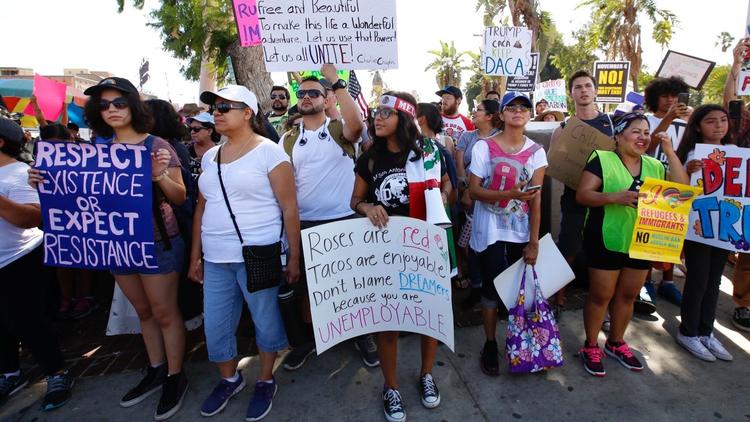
x=493 y=261
x=301 y=285
x=600 y=258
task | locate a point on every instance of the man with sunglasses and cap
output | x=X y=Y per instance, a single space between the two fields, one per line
x=279 y=113
x=455 y=123
x=322 y=153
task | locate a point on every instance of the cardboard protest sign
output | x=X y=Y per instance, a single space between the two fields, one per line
x=663 y=220
x=363 y=280
x=507 y=51
x=611 y=81
x=305 y=34
x=524 y=83
x=569 y=153
x=294 y=85
x=246 y=18
x=554 y=91
x=552 y=269
x=721 y=217
x=96 y=205
x=692 y=69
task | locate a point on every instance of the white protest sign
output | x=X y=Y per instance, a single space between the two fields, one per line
x=693 y=70
x=554 y=92
x=351 y=34
x=552 y=269
x=507 y=51
x=743 y=79
x=363 y=280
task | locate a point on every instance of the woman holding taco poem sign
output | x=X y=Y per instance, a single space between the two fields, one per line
x=247 y=201
x=116 y=112
x=610 y=188
x=381 y=189
x=709 y=124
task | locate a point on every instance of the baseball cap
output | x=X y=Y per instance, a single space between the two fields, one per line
x=236 y=93
x=450 y=89
x=542 y=101
x=120 y=84
x=511 y=96
x=202 y=118
x=10 y=131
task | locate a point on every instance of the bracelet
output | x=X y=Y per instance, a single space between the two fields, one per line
x=356 y=206
x=159 y=177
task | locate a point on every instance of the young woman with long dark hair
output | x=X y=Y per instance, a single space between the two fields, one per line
x=709 y=124
x=381 y=189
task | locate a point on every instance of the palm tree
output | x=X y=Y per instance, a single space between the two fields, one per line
x=615 y=29
x=448 y=64
x=713 y=88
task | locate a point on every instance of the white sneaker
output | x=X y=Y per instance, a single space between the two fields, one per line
x=696 y=347
x=716 y=348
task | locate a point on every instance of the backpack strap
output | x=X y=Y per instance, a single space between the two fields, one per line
x=290 y=138
x=336 y=130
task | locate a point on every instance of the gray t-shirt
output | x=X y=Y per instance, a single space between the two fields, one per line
x=467 y=141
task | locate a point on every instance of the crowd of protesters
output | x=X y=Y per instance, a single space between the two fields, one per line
x=233 y=177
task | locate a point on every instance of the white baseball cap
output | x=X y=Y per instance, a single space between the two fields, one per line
x=236 y=93
x=202 y=118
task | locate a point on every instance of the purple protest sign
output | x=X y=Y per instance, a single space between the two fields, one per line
x=246 y=16
x=96 y=205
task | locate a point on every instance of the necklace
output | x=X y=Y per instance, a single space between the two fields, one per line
x=243 y=149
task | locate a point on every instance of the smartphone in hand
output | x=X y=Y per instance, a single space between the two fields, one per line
x=683 y=97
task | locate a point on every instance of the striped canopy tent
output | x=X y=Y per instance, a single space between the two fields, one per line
x=17 y=92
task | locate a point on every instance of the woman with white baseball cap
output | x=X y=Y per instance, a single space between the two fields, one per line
x=246 y=189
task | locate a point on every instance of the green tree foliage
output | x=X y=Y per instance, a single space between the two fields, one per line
x=448 y=64
x=725 y=41
x=713 y=88
x=615 y=29
x=570 y=58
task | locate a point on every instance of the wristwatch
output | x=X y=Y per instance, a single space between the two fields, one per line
x=340 y=84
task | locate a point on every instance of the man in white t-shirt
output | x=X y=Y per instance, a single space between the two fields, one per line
x=669 y=116
x=454 y=124
x=322 y=153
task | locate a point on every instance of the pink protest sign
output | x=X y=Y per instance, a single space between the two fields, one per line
x=246 y=16
x=50 y=95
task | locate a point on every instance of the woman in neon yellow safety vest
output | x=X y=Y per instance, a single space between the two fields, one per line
x=609 y=187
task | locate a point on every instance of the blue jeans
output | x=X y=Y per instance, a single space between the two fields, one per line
x=224 y=291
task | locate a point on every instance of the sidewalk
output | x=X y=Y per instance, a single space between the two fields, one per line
x=337 y=387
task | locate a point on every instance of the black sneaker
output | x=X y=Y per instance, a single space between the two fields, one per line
x=429 y=392
x=297 y=356
x=172 y=393
x=59 y=387
x=741 y=318
x=368 y=350
x=489 y=359
x=393 y=408
x=645 y=303
x=151 y=383
x=11 y=385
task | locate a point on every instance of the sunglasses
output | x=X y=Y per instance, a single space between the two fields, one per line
x=383 y=112
x=226 y=107
x=120 y=103
x=312 y=93
x=197 y=129
x=278 y=97
x=517 y=108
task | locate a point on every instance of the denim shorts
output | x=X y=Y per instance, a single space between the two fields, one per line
x=167 y=261
x=224 y=291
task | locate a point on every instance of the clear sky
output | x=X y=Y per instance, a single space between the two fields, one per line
x=49 y=35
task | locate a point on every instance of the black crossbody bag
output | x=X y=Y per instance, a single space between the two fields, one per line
x=263 y=262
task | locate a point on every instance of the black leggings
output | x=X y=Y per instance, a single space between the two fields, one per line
x=705 y=265
x=23 y=284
